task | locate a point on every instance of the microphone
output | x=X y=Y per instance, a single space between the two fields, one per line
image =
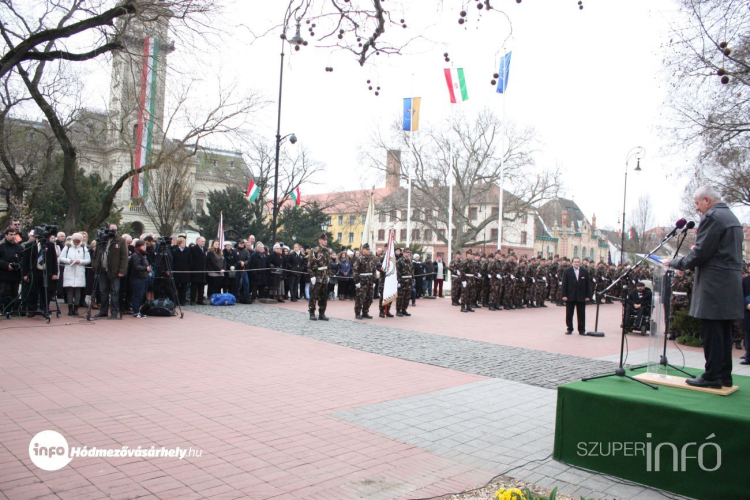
x=678 y=225
x=690 y=225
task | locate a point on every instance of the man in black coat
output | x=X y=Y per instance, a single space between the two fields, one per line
x=575 y=293
x=295 y=262
x=639 y=303
x=10 y=270
x=198 y=265
x=717 y=298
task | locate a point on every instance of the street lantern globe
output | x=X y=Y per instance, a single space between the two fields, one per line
x=293 y=139
x=638 y=165
x=297 y=39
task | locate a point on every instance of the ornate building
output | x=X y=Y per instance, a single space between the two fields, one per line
x=562 y=229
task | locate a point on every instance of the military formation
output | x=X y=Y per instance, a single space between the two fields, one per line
x=506 y=281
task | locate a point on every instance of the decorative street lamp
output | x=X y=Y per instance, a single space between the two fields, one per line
x=639 y=152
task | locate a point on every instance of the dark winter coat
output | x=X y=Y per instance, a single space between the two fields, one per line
x=181 y=261
x=198 y=262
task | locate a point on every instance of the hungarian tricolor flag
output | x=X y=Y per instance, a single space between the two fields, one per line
x=252 y=191
x=295 y=196
x=220 y=232
x=631 y=234
x=456 y=82
x=144 y=131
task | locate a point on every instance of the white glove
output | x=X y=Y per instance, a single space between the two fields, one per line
x=594 y=280
x=497 y=276
x=399 y=285
x=479 y=275
x=512 y=277
x=523 y=279
x=533 y=280
x=463 y=284
x=458 y=273
x=313 y=280
x=357 y=285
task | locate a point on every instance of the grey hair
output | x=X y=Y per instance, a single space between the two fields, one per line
x=707 y=192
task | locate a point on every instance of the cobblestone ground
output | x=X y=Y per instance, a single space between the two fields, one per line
x=529 y=366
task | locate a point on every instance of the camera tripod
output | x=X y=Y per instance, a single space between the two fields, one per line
x=163 y=261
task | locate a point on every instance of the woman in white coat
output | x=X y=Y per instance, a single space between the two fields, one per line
x=75 y=258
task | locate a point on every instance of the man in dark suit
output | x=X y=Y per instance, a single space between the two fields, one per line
x=198 y=264
x=717 y=293
x=639 y=303
x=575 y=293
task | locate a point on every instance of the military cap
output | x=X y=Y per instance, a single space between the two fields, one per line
x=407 y=249
x=366 y=246
x=640 y=283
x=323 y=236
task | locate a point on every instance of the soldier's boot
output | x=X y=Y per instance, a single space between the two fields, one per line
x=358 y=316
x=312 y=316
x=492 y=308
x=388 y=314
x=382 y=314
x=322 y=316
x=366 y=316
x=399 y=314
x=469 y=308
x=404 y=313
x=476 y=305
x=463 y=308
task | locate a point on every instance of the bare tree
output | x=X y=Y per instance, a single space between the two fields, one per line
x=642 y=219
x=709 y=66
x=170 y=194
x=472 y=155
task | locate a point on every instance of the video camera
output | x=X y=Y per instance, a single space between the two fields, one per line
x=105 y=234
x=44 y=231
x=164 y=241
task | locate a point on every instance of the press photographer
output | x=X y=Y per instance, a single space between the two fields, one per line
x=110 y=265
x=10 y=270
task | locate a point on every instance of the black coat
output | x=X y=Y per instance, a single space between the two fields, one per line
x=182 y=261
x=138 y=265
x=296 y=262
x=745 y=322
x=258 y=261
x=576 y=291
x=198 y=262
x=10 y=253
x=643 y=299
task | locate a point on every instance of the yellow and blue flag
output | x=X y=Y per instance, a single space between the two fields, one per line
x=502 y=82
x=411 y=113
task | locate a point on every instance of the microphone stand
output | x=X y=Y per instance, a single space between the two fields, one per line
x=663 y=361
x=620 y=370
x=599 y=295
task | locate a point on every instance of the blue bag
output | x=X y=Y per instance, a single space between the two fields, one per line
x=223 y=299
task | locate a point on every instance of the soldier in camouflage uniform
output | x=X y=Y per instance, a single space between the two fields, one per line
x=405 y=270
x=541 y=284
x=509 y=283
x=486 y=262
x=317 y=266
x=467 y=283
x=682 y=287
x=552 y=280
x=494 y=271
x=476 y=290
x=363 y=272
x=455 y=269
x=520 y=284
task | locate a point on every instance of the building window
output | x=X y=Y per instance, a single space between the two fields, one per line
x=381 y=234
x=329 y=221
x=415 y=214
x=415 y=234
x=338 y=237
x=351 y=237
x=549 y=252
x=525 y=218
x=592 y=254
x=428 y=214
x=473 y=213
x=403 y=235
x=575 y=251
x=364 y=219
x=441 y=232
x=583 y=252
x=352 y=219
x=428 y=234
x=199 y=203
x=393 y=216
x=523 y=237
x=381 y=217
x=493 y=234
x=495 y=210
x=341 y=220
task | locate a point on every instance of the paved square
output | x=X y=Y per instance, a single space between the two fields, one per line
x=290 y=409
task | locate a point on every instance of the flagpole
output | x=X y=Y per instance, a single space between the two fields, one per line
x=408 y=213
x=502 y=166
x=450 y=221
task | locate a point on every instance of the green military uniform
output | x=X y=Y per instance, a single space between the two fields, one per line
x=541 y=285
x=467 y=284
x=486 y=281
x=363 y=272
x=405 y=271
x=456 y=288
x=509 y=292
x=494 y=271
x=317 y=267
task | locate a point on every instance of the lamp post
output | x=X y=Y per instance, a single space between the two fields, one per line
x=639 y=152
x=296 y=41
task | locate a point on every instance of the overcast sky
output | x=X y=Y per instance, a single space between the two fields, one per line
x=590 y=81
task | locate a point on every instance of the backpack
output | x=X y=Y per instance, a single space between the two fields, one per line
x=158 y=307
x=223 y=299
x=246 y=298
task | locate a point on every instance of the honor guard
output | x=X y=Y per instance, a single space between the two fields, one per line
x=405 y=269
x=363 y=271
x=317 y=267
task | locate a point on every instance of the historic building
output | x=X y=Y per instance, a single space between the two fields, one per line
x=562 y=229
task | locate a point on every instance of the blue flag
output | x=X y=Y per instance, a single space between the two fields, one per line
x=502 y=82
x=411 y=114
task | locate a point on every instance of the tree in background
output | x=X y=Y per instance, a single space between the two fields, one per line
x=238 y=215
x=709 y=61
x=170 y=194
x=51 y=204
x=302 y=225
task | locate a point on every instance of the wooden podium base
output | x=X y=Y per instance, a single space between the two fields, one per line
x=679 y=382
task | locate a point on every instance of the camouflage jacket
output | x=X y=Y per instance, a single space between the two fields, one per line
x=317 y=264
x=363 y=269
x=405 y=268
x=456 y=265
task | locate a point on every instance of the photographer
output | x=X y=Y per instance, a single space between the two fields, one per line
x=163 y=270
x=74 y=259
x=110 y=264
x=10 y=270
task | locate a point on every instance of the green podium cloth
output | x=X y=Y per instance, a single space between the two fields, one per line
x=669 y=439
